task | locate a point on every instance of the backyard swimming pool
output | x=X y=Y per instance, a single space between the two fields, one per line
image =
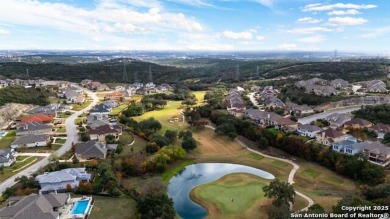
x=2 y=134
x=80 y=207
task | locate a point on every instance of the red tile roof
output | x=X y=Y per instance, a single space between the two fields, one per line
x=38 y=118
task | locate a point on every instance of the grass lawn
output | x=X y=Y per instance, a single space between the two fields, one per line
x=174 y=169
x=165 y=116
x=78 y=120
x=6 y=141
x=80 y=106
x=20 y=158
x=60 y=129
x=117 y=110
x=199 y=96
x=60 y=140
x=113 y=208
x=39 y=149
x=8 y=171
x=321 y=184
x=55 y=146
x=139 y=145
x=245 y=190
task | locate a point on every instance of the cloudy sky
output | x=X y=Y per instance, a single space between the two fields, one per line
x=240 y=25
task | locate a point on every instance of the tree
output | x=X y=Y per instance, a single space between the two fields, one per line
x=189 y=144
x=185 y=134
x=281 y=192
x=278 y=212
x=151 y=147
x=156 y=206
x=232 y=135
x=68 y=188
x=110 y=139
x=161 y=140
x=171 y=135
x=75 y=160
x=84 y=137
x=262 y=143
x=150 y=124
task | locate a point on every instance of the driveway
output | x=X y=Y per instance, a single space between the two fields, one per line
x=72 y=137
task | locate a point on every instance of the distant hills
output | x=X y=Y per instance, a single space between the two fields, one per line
x=206 y=70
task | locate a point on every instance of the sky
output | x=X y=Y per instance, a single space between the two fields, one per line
x=196 y=25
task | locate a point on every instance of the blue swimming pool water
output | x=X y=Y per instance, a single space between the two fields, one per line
x=2 y=134
x=80 y=207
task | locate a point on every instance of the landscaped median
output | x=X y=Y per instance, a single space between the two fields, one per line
x=7 y=172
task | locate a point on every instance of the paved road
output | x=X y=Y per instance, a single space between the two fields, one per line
x=290 y=176
x=72 y=136
x=309 y=119
x=253 y=99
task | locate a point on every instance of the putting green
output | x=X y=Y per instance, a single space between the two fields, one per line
x=234 y=195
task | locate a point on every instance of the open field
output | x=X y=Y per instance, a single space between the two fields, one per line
x=113 y=208
x=322 y=185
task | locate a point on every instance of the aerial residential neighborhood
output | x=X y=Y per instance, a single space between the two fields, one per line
x=194 y=109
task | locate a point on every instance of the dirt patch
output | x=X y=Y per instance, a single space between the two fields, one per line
x=210 y=143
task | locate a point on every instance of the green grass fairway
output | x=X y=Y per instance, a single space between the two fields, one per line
x=245 y=189
x=200 y=96
x=164 y=116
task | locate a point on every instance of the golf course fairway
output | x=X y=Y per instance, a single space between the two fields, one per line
x=237 y=195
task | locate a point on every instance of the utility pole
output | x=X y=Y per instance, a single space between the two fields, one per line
x=150 y=74
x=125 y=76
x=238 y=72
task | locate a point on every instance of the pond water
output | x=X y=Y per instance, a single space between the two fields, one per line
x=191 y=176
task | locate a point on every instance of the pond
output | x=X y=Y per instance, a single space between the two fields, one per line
x=194 y=175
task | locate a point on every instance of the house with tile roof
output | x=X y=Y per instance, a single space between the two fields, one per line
x=100 y=133
x=35 y=206
x=377 y=153
x=91 y=150
x=381 y=129
x=44 y=118
x=308 y=130
x=330 y=136
x=376 y=86
x=349 y=146
x=339 y=83
x=7 y=157
x=357 y=124
x=57 y=181
x=33 y=128
x=31 y=140
x=100 y=109
x=337 y=120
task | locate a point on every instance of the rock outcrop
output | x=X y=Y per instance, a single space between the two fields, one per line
x=11 y=111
